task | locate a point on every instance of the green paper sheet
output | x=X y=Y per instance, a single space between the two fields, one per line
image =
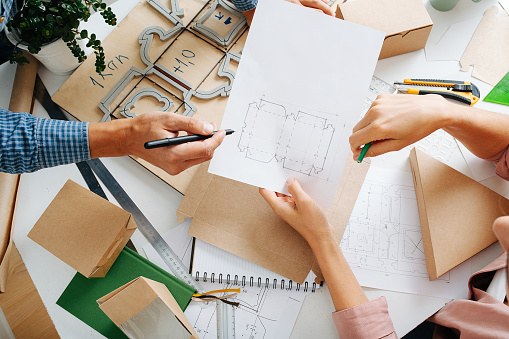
x=500 y=93
x=79 y=298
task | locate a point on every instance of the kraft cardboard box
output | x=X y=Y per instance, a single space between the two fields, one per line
x=144 y=308
x=406 y=23
x=456 y=213
x=84 y=230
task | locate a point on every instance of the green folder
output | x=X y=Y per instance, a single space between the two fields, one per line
x=79 y=298
x=500 y=93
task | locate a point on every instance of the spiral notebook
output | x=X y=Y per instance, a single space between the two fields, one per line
x=213 y=264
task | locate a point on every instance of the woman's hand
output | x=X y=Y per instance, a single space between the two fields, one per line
x=398 y=121
x=300 y=211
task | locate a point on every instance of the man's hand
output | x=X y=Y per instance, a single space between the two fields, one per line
x=127 y=137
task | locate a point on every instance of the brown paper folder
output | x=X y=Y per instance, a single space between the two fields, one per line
x=234 y=217
x=456 y=213
x=84 y=230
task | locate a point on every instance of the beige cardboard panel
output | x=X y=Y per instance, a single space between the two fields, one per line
x=128 y=300
x=190 y=58
x=234 y=217
x=423 y=217
x=405 y=43
x=406 y=23
x=80 y=95
x=79 y=227
x=488 y=50
x=191 y=9
x=459 y=211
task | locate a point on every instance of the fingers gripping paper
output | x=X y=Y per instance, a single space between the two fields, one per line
x=234 y=217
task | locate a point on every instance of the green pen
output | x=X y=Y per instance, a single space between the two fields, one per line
x=363 y=152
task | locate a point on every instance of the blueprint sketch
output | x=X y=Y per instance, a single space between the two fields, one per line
x=383 y=241
x=264 y=312
x=302 y=144
x=291 y=111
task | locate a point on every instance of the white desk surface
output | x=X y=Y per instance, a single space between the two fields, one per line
x=159 y=202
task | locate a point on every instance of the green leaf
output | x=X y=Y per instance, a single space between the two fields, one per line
x=50 y=18
x=103 y=5
x=84 y=34
x=92 y=36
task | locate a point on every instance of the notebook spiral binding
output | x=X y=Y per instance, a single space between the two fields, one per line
x=275 y=284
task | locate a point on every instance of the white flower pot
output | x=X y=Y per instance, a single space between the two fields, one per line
x=56 y=56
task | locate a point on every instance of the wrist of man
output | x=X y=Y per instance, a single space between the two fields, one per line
x=110 y=139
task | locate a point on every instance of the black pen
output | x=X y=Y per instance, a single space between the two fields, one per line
x=180 y=140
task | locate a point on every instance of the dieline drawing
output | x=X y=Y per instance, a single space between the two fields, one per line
x=299 y=140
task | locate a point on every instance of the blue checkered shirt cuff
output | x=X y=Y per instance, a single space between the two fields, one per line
x=245 y=5
x=29 y=143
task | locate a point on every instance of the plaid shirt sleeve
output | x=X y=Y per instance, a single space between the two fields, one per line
x=8 y=8
x=245 y=5
x=29 y=143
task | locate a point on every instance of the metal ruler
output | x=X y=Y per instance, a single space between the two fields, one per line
x=169 y=257
x=225 y=320
x=176 y=266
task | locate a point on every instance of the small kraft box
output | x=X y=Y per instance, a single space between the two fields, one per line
x=406 y=23
x=144 y=308
x=83 y=230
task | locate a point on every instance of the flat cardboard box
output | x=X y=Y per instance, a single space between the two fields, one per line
x=456 y=213
x=144 y=308
x=406 y=23
x=84 y=230
x=234 y=217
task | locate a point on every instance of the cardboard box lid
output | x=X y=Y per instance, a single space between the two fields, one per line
x=126 y=301
x=81 y=228
x=456 y=213
x=389 y=16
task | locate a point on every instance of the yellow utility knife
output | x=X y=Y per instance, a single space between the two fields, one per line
x=462 y=91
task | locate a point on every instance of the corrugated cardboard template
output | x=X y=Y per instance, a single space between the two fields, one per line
x=488 y=50
x=406 y=23
x=84 y=230
x=128 y=300
x=234 y=217
x=456 y=213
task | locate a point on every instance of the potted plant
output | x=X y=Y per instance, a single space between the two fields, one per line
x=49 y=29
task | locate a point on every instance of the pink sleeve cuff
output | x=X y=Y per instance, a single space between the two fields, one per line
x=501 y=160
x=368 y=320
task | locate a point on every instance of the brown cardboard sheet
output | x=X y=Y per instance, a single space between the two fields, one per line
x=234 y=217
x=406 y=23
x=128 y=300
x=488 y=50
x=84 y=230
x=456 y=213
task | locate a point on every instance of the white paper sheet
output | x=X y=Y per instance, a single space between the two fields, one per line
x=297 y=94
x=481 y=169
x=263 y=312
x=383 y=240
x=209 y=259
x=454 y=41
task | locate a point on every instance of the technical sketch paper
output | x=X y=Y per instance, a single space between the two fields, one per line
x=383 y=240
x=263 y=312
x=296 y=97
x=210 y=259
